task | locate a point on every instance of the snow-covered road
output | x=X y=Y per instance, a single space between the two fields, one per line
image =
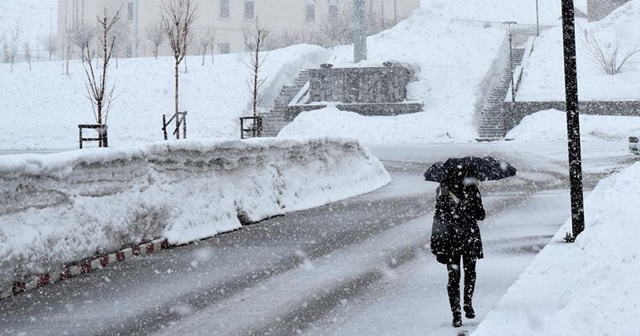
x=359 y=266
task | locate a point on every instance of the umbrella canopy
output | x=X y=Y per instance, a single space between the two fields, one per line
x=484 y=168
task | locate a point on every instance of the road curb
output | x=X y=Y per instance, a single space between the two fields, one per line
x=82 y=267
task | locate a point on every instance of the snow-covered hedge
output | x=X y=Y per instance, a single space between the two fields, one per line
x=60 y=208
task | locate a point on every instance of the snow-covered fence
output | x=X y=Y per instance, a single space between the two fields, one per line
x=57 y=209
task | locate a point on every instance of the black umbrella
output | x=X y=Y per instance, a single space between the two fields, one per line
x=483 y=168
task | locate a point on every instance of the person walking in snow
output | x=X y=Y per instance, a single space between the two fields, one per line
x=455 y=236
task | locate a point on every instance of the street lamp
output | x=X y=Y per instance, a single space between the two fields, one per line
x=359 y=32
x=537 y=20
x=509 y=24
x=573 y=118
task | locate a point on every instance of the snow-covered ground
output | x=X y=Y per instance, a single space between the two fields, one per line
x=35 y=19
x=521 y=11
x=545 y=75
x=586 y=288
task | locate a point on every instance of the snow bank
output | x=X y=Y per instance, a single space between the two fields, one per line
x=587 y=285
x=522 y=11
x=60 y=208
x=551 y=125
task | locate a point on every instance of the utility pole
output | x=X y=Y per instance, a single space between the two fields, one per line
x=573 y=118
x=359 y=32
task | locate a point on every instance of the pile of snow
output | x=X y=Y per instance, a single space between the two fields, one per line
x=60 y=208
x=543 y=78
x=586 y=288
x=551 y=125
x=521 y=11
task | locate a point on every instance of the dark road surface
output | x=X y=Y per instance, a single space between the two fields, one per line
x=283 y=276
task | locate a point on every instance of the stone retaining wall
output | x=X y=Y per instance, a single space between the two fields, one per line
x=515 y=112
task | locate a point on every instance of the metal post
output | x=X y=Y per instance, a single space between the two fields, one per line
x=513 y=90
x=359 y=32
x=573 y=118
x=537 y=20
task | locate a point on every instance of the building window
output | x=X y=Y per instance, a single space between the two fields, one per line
x=130 y=11
x=310 y=11
x=333 y=12
x=225 y=9
x=224 y=48
x=249 y=9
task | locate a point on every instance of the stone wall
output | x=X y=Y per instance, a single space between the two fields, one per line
x=388 y=109
x=359 y=85
x=598 y=9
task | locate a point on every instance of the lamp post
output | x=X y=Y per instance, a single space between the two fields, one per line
x=359 y=32
x=509 y=24
x=537 y=20
x=573 y=118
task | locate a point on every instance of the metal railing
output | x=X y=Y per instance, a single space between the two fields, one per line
x=515 y=28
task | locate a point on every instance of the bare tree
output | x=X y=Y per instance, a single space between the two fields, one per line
x=122 y=33
x=609 y=57
x=26 y=48
x=68 y=52
x=205 y=40
x=50 y=44
x=155 y=34
x=11 y=46
x=5 y=52
x=97 y=83
x=81 y=35
x=177 y=19
x=254 y=40
x=2 y=38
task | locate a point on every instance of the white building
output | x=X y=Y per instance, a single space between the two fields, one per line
x=290 y=21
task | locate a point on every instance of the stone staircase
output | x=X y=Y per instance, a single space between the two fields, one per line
x=492 y=116
x=276 y=119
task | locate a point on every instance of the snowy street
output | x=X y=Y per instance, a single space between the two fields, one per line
x=359 y=266
x=319 y=226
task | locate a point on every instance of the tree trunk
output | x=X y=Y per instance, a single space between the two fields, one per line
x=177 y=120
x=255 y=83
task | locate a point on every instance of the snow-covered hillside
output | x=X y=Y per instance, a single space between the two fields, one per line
x=37 y=19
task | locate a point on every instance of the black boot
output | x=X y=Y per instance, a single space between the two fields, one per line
x=457 y=320
x=468 y=311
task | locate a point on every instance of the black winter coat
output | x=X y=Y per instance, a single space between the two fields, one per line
x=455 y=231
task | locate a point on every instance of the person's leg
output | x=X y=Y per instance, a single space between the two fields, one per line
x=453 y=289
x=469 y=285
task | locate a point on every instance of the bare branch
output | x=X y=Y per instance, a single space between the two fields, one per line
x=178 y=17
x=204 y=40
x=609 y=57
x=81 y=35
x=155 y=34
x=97 y=82
x=255 y=40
